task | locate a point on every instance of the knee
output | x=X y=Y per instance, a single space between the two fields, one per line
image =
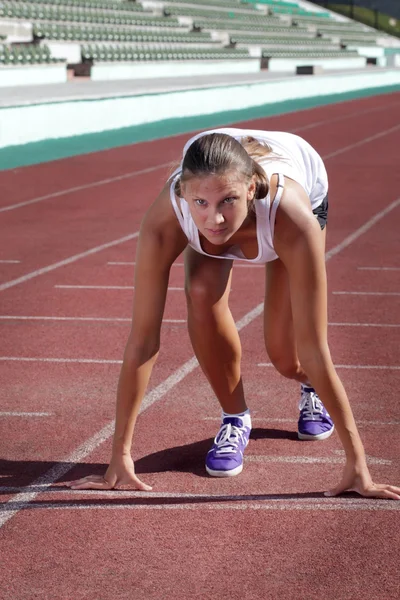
x=138 y=352
x=200 y=297
x=288 y=368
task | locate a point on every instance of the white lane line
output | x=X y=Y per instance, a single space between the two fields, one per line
x=179 y=500
x=267 y=420
x=174 y=321
x=66 y=261
x=362 y=142
x=383 y=367
x=108 y=287
x=235 y=265
x=366 y=293
x=363 y=229
x=89 y=361
x=343 y=117
x=9 y=262
x=328 y=255
x=60 y=469
x=164 y=165
x=209 y=503
x=379 y=367
x=160 y=390
x=25 y=414
x=130 y=263
x=128 y=320
x=61 y=490
x=311 y=460
x=378 y=268
x=87 y=186
x=95 y=319
x=364 y=324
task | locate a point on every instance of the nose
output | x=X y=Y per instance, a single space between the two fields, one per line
x=216 y=218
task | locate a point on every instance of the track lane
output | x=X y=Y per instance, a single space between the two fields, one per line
x=173 y=457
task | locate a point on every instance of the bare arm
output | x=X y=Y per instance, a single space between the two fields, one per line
x=299 y=245
x=161 y=240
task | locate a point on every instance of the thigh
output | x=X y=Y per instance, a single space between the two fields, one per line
x=207 y=279
x=278 y=321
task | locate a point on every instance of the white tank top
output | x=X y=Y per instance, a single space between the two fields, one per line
x=293 y=157
x=265 y=220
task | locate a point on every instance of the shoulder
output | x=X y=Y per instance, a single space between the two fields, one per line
x=161 y=238
x=160 y=219
x=294 y=217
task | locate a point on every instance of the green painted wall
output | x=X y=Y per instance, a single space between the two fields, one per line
x=48 y=150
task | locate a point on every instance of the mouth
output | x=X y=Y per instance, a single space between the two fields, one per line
x=217 y=231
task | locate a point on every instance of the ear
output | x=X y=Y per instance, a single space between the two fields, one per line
x=251 y=189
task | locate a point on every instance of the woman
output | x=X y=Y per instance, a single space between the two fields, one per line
x=254 y=196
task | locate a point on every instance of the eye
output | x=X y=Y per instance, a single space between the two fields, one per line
x=200 y=202
x=230 y=200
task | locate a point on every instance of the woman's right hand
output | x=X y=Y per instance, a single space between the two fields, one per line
x=119 y=475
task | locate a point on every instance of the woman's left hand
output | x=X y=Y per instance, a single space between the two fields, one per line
x=358 y=479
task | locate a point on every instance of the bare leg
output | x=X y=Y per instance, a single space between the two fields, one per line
x=314 y=422
x=279 y=335
x=212 y=329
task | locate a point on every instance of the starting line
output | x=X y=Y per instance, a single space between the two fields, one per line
x=134 y=500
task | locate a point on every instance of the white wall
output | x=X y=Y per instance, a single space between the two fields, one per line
x=31 y=123
x=32 y=74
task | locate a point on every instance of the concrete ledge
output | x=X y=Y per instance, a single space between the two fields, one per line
x=33 y=123
x=11 y=75
x=393 y=60
x=21 y=30
x=37 y=133
x=289 y=65
x=53 y=149
x=171 y=68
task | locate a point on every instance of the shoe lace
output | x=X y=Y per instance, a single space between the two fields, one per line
x=310 y=406
x=228 y=438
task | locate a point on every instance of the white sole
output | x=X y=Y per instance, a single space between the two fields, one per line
x=321 y=436
x=230 y=473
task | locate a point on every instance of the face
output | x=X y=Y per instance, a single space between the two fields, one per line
x=218 y=204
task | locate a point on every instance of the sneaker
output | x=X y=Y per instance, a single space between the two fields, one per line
x=315 y=422
x=225 y=458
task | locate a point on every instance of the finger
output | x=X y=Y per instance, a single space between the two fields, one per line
x=143 y=487
x=88 y=478
x=339 y=489
x=391 y=488
x=382 y=493
x=92 y=485
x=136 y=483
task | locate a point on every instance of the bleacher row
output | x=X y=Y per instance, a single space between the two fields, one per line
x=176 y=30
x=28 y=54
x=81 y=14
x=123 y=5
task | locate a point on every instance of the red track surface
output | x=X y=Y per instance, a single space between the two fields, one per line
x=268 y=533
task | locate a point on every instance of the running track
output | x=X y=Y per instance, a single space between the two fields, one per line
x=69 y=232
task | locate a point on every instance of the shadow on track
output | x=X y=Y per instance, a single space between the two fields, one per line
x=188 y=458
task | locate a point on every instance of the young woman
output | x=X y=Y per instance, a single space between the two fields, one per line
x=260 y=197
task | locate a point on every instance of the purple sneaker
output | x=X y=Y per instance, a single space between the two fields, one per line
x=315 y=422
x=225 y=458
